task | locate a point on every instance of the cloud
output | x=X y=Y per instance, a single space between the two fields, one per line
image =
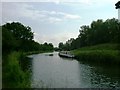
x=87 y=2
x=53 y=19
x=69 y=16
x=12 y=10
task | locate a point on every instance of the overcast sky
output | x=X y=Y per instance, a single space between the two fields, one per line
x=55 y=21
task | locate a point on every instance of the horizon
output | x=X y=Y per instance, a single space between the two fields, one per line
x=55 y=22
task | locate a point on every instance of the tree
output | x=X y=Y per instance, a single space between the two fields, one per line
x=19 y=30
x=97 y=32
x=61 y=45
x=51 y=47
x=16 y=36
x=8 y=41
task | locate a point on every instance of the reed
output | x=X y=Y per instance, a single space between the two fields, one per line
x=105 y=53
x=13 y=75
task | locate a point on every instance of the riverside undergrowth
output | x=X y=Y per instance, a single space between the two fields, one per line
x=104 y=53
x=13 y=75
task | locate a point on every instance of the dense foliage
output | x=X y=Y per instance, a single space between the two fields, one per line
x=16 y=36
x=17 y=42
x=97 y=33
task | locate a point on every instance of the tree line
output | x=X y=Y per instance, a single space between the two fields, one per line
x=17 y=37
x=98 y=32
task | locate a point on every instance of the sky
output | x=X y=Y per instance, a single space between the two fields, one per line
x=56 y=21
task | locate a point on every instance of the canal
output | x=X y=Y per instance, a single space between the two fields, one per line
x=57 y=72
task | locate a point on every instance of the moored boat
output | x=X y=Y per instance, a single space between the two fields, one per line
x=51 y=54
x=66 y=54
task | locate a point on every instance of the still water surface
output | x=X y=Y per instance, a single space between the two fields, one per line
x=56 y=72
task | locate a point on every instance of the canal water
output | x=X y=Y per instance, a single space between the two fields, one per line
x=57 y=72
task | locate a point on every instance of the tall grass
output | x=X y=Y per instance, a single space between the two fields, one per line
x=107 y=46
x=105 y=53
x=13 y=75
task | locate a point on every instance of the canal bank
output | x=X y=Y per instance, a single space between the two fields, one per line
x=16 y=72
x=13 y=75
x=101 y=54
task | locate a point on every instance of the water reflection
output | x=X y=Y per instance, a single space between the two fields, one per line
x=26 y=63
x=104 y=76
x=64 y=58
x=56 y=72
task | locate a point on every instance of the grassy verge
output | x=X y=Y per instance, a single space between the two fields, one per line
x=104 y=53
x=35 y=52
x=13 y=75
x=13 y=72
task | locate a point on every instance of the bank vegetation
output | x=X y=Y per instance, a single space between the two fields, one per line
x=17 y=43
x=97 y=42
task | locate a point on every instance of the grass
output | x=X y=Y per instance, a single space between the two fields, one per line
x=107 y=46
x=35 y=52
x=104 y=53
x=13 y=75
